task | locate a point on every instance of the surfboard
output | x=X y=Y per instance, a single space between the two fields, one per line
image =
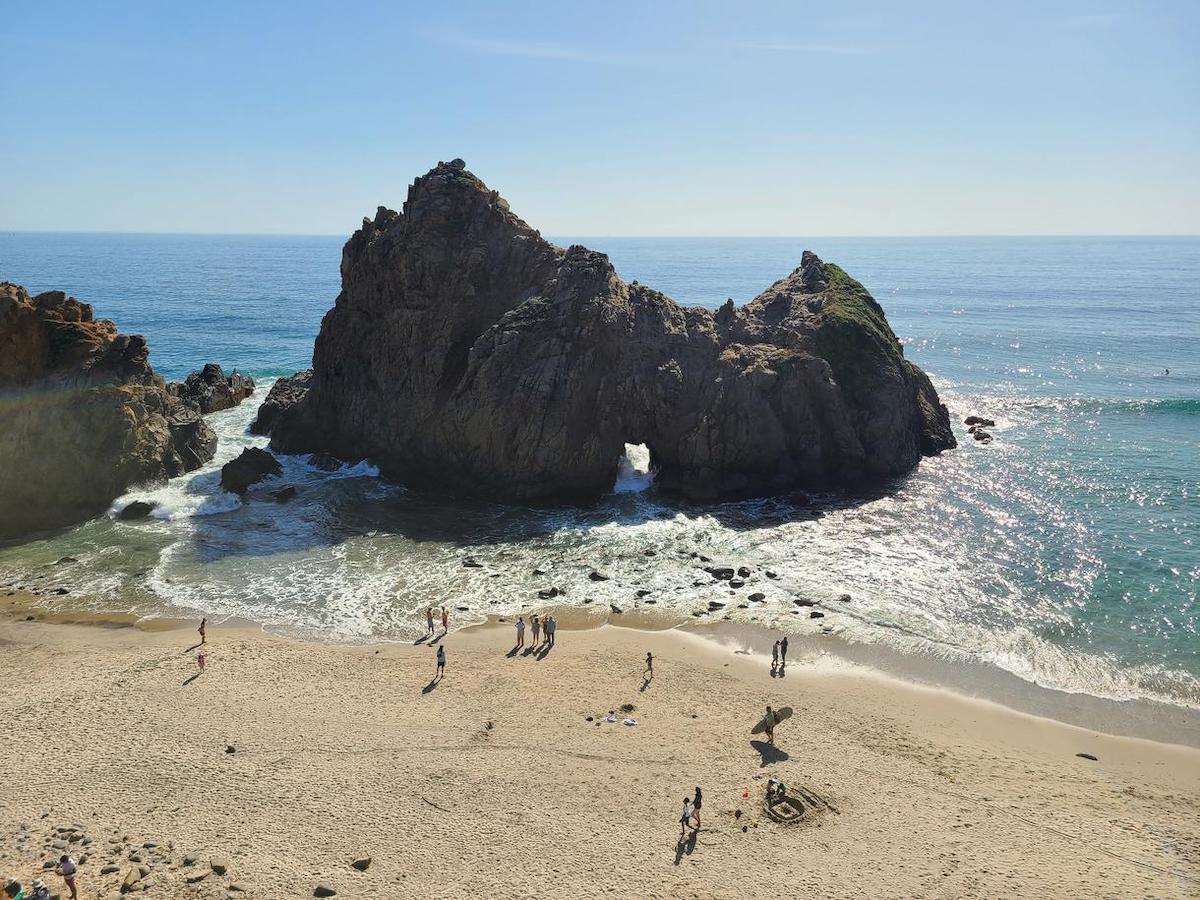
x=781 y=715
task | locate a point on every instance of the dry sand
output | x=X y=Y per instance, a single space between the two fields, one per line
x=493 y=783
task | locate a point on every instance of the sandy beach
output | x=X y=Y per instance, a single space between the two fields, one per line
x=288 y=760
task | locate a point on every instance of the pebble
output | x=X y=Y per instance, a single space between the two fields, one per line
x=219 y=864
x=361 y=863
x=324 y=890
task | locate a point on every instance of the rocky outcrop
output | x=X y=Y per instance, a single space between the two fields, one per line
x=468 y=354
x=210 y=390
x=284 y=393
x=253 y=464
x=83 y=416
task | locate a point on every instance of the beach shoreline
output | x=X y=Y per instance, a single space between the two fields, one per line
x=345 y=749
x=971 y=680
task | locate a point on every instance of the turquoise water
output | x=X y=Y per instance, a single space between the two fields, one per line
x=1063 y=552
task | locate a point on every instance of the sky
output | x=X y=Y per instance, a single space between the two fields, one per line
x=613 y=118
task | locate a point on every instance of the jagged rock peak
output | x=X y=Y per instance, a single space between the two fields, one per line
x=467 y=354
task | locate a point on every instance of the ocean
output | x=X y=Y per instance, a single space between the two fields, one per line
x=1062 y=554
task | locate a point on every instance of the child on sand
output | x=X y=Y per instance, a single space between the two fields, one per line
x=201 y=659
x=686 y=817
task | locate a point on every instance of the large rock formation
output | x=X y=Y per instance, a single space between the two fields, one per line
x=283 y=393
x=465 y=353
x=83 y=416
x=210 y=390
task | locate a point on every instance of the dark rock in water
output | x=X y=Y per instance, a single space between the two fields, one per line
x=66 y=559
x=737 y=583
x=86 y=398
x=702 y=557
x=844 y=598
x=615 y=608
x=757 y=598
x=649 y=553
x=714 y=604
x=210 y=391
x=816 y=614
x=325 y=462
x=284 y=393
x=804 y=601
x=981 y=435
x=284 y=494
x=472 y=563
x=771 y=574
x=597 y=576
x=138 y=509
x=643 y=593
x=549 y=593
x=254 y=464
x=466 y=352
x=60 y=591
x=719 y=573
x=743 y=572
x=979 y=420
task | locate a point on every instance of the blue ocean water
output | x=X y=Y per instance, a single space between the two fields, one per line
x=1064 y=552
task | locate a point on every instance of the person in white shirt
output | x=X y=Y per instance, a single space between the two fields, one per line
x=687 y=815
x=67 y=868
x=520 y=631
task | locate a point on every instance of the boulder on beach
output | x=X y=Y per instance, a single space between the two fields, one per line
x=85 y=417
x=210 y=390
x=467 y=354
x=254 y=464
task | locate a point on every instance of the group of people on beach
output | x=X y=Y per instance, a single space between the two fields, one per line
x=691 y=811
x=779 y=655
x=548 y=625
x=67 y=867
x=429 y=620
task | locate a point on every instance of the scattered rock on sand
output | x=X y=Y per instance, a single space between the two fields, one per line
x=361 y=863
x=219 y=864
x=1087 y=756
x=597 y=576
x=324 y=890
x=804 y=601
x=757 y=597
x=816 y=614
x=132 y=877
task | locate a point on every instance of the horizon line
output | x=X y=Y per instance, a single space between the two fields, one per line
x=752 y=237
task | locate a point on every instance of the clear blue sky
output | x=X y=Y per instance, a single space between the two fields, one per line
x=605 y=118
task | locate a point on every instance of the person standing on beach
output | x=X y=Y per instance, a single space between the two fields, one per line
x=67 y=868
x=770 y=720
x=537 y=629
x=520 y=632
x=551 y=629
x=445 y=620
x=429 y=620
x=201 y=660
x=696 y=801
x=441 y=662
x=686 y=817
x=203 y=622
x=775 y=655
x=649 y=673
x=783 y=652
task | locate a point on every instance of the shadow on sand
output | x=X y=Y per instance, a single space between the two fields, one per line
x=769 y=752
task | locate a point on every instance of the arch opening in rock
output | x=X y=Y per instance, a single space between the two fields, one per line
x=635 y=470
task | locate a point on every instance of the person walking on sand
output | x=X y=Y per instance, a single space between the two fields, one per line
x=775 y=655
x=441 y=662
x=686 y=817
x=770 y=720
x=445 y=620
x=696 y=801
x=520 y=632
x=203 y=622
x=537 y=629
x=649 y=673
x=67 y=868
x=783 y=652
x=429 y=620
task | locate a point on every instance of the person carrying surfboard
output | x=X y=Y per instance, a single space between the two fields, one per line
x=770 y=723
